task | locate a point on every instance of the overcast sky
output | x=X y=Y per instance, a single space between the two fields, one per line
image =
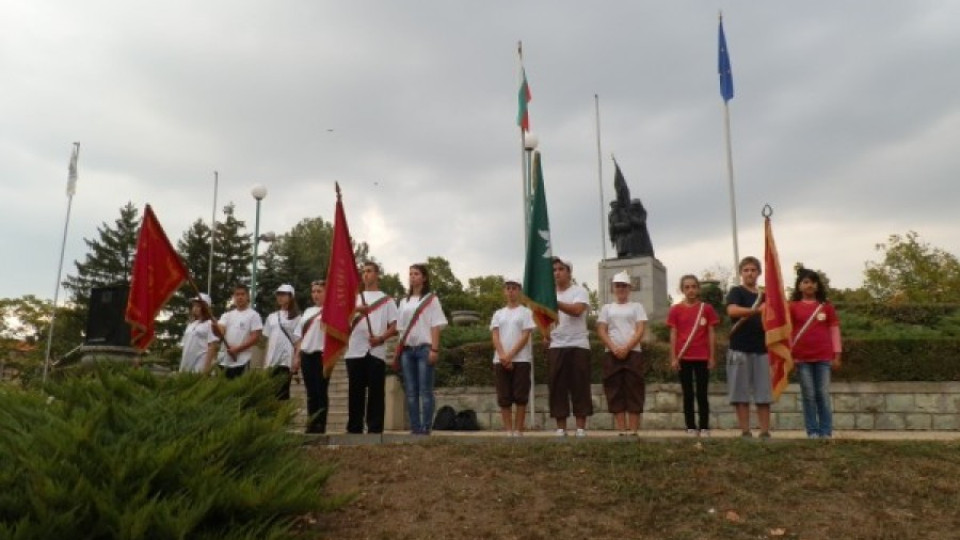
x=846 y=120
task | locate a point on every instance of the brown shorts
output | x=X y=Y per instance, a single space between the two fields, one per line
x=623 y=382
x=568 y=379
x=513 y=385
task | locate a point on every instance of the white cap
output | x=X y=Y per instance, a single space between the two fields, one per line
x=565 y=262
x=622 y=277
x=204 y=297
x=285 y=288
x=513 y=280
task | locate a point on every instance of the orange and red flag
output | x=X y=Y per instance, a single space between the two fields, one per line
x=776 y=316
x=343 y=284
x=157 y=273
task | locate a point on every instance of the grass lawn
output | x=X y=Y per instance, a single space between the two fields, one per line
x=643 y=489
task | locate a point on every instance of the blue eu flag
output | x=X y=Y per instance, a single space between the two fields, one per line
x=726 y=76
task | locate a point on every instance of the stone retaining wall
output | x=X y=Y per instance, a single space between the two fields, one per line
x=856 y=406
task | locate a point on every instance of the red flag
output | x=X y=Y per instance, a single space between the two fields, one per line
x=343 y=284
x=776 y=316
x=157 y=273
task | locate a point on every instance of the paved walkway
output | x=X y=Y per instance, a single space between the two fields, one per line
x=400 y=437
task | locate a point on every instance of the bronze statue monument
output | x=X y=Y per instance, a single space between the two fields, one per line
x=628 y=222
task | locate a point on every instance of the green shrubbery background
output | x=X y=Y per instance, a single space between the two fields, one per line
x=121 y=453
x=882 y=342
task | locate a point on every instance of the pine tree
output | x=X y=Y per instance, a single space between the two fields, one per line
x=298 y=257
x=231 y=257
x=109 y=260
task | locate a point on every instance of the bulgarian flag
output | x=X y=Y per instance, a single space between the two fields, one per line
x=158 y=271
x=524 y=97
x=776 y=316
x=539 y=287
x=343 y=283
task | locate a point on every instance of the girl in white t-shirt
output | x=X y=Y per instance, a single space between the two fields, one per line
x=620 y=326
x=199 y=342
x=419 y=322
x=279 y=328
x=510 y=329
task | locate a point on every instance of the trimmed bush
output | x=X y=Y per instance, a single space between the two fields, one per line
x=121 y=453
x=864 y=360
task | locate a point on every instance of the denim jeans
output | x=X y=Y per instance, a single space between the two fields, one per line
x=418 y=385
x=815 y=394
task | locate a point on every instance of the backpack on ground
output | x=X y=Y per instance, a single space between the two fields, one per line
x=466 y=420
x=446 y=419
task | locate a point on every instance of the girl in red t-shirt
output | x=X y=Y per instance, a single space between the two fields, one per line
x=816 y=350
x=692 y=342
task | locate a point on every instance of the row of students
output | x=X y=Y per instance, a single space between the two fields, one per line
x=815 y=345
x=295 y=343
x=621 y=324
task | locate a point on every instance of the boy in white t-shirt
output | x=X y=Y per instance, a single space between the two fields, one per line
x=510 y=329
x=620 y=326
x=241 y=327
x=568 y=357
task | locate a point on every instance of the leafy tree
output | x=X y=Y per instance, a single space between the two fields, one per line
x=110 y=258
x=446 y=285
x=392 y=285
x=27 y=320
x=488 y=292
x=914 y=271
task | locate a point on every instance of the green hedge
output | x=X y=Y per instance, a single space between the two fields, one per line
x=863 y=360
x=121 y=453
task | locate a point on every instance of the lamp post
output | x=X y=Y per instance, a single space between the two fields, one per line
x=530 y=143
x=259 y=193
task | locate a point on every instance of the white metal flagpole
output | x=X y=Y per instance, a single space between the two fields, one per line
x=733 y=196
x=603 y=227
x=213 y=233
x=726 y=92
x=71 y=189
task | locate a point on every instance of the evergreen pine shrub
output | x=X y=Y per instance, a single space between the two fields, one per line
x=122 y=453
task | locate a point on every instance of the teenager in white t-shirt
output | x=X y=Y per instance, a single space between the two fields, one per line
x=568 y=356
x=419 y=323
x=510 y=329
x=241 y=327
x=308 y=356
x=279 y=327
x=366 y=353
x=199 y=341
x=620 y=327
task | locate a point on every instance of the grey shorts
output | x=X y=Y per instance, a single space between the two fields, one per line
x=748 y=378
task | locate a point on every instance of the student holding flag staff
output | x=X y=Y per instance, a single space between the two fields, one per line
x=308 y=355
x=692 y=345
x=279 y=327
x=620 y=326
x=420 y=321
x=816 y=350
x=241 y=328
x=376 y=322
x=568 y=355
x=199 y=341
x=748 y=366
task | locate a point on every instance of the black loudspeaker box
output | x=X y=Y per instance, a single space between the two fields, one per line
x=105 y=321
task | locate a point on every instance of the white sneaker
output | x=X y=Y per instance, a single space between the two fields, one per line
x=693 y=433
x=560 y=432
x=581 y=433
x=518 y=434
x=704 y=432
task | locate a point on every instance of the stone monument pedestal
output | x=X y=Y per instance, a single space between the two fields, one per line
x=649 y=278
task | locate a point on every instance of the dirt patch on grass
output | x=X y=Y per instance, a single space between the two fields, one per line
x=602 y=489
